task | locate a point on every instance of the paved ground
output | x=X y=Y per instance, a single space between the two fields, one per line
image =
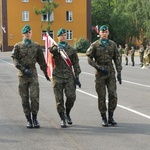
x=132 y=114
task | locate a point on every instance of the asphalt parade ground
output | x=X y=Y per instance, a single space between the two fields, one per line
x=86 y=133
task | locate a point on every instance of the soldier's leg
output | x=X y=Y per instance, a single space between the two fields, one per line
x=101 y=91
x=23 y=89
x=58 y=92
x=112 y=98
x=70 y=98
x=34 y=97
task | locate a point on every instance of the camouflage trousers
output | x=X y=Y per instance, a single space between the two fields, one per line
x=29 y=91
x=61 y=87
x=109 y=82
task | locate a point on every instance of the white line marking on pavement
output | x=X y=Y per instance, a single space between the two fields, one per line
x=123 y=107
x=148 y=86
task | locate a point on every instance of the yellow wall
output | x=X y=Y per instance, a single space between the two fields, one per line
x=15 y=23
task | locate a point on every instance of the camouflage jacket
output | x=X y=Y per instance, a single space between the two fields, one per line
x=61 y=69
x=103 y=56
x=26 y=57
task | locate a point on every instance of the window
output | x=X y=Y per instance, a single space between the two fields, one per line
x=45 y=1
x=25 y=1
x=68 y=1
x=25 y=15
x=69 y=15
x=69 y=35
x=51 y=34
x=45 y=17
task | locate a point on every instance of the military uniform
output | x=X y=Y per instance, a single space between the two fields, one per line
x=126 y=52
x=132 y=55
x=141 y=52
x=120 y=49
x=100 y=57
x=25 y=57
x=63 y=78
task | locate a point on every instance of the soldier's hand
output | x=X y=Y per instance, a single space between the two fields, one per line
x=78 y=82
x=103 y=70
x=47 y=77
x=54 y=49
x=27 y=72
x=119 y=78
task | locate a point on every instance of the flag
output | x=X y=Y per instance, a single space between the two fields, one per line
x=96 y=29
x=3 y=28
x=48 y=57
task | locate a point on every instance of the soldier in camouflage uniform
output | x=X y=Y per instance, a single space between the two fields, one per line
x=63 y=78
x=141 y=53
x=100 y=54
x=25 y=54
x=126 y=52
x=120 y=49
x=132 y=55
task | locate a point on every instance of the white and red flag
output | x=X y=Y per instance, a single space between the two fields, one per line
x=96 y=29
x=48 y=57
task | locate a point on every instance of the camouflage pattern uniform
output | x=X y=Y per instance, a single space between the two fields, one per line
x=141 y=52
x=132 y=55
x=103 y=57
x=120 y=49
x=25 y=57
x=63 y=79
x=126 y=52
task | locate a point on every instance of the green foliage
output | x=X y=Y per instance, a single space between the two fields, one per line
x=81 y=45
x=127 y=19
x=48 y=8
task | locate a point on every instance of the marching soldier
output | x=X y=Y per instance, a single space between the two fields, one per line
x=141 y=53
x=126 y=52
x=101 y=55
x=25 y=54
x=132 y=55
x=65 y=76
x=120 y=49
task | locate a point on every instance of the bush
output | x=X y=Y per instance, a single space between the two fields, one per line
x=81 y=45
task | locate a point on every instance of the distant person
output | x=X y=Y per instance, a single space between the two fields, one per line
x=25 y=54
x=103 y=55
x=146 y=58
x=126 y=53
x=120 y=49
x=132 y=55
x=141 y=54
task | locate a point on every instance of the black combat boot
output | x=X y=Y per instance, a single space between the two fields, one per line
x=63 y=121
x=29 y=121
x=69 y=121
x=111 y=121
x=35 y=121
x=104 y=120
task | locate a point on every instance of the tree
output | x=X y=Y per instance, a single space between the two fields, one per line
x=47 y=10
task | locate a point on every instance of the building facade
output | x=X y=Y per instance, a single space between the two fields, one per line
x=73 y=15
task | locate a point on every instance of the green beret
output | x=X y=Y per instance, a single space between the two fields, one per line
x=103 y=28
x=61 y=31
x=25 y=29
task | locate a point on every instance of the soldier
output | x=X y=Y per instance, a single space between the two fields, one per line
x=120 y=49
x=126 y=52
x=65 y=76
x=146 y=58
x=100 y=54
x=141 y=53
x=25 y=54
x=132 y=55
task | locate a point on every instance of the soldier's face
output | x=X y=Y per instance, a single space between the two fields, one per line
x=104 y=34
x=62 y=37
x=27 y=35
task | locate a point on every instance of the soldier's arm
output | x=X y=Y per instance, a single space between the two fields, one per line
x=117 y=59
x=90 y=55
x=41 y=60
x=15 y=56
x=75 y=63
